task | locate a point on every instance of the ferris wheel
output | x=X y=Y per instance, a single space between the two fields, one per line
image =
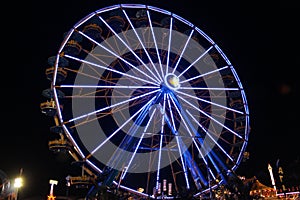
x=149 y=101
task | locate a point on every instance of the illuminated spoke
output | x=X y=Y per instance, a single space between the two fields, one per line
x=120 y=127
x=109 y=69
x=202 y=75
x=110 y=86
x=112 y=106
x=160 y=143
x=183 y=50
x=139 y=143
x=196 y=61
x=209 y=135
x=208 y=88
x=210 y=102
x=210 y=117
x=169 y=43
x=197 y=172
x=179 y=145
x=141 y=43
x=154 y=39
x=119 y=57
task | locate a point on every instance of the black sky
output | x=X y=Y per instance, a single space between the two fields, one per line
x=259 y=39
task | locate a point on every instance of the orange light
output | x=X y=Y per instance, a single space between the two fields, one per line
x=51 y=197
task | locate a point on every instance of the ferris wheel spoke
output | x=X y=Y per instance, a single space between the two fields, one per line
x=201 y=56
x=138 y=145
x=179 y=145
x=197 y=174
x=169 y=43
x=109 y=87
x=154 y=39
x=129 y=48
x=209 y=135
x=185 y=170
x=173 y=126
x=113 y=105
x=211 y=118
x=143 y=46
x=97 y=74
x=110 y=69
x=94 y=76
x=183 y=50
x=160 y=143
x=195 y=143
x=208 y=88
x=121 y=58
x=129 y=142
x=202 y=75
x=120 y=127
x=210 y=102
x=184 y=120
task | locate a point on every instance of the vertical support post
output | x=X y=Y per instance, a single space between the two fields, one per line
x=52 y=183
x=18 y=183
x=272 y=177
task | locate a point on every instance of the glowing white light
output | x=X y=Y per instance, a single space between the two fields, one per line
x=18 y=182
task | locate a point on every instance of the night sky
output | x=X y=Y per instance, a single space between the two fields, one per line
x=259 y=39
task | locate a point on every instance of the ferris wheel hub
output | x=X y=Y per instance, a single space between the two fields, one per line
x=172 y=81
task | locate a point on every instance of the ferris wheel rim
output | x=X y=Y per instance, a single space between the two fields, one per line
x=154 y=83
